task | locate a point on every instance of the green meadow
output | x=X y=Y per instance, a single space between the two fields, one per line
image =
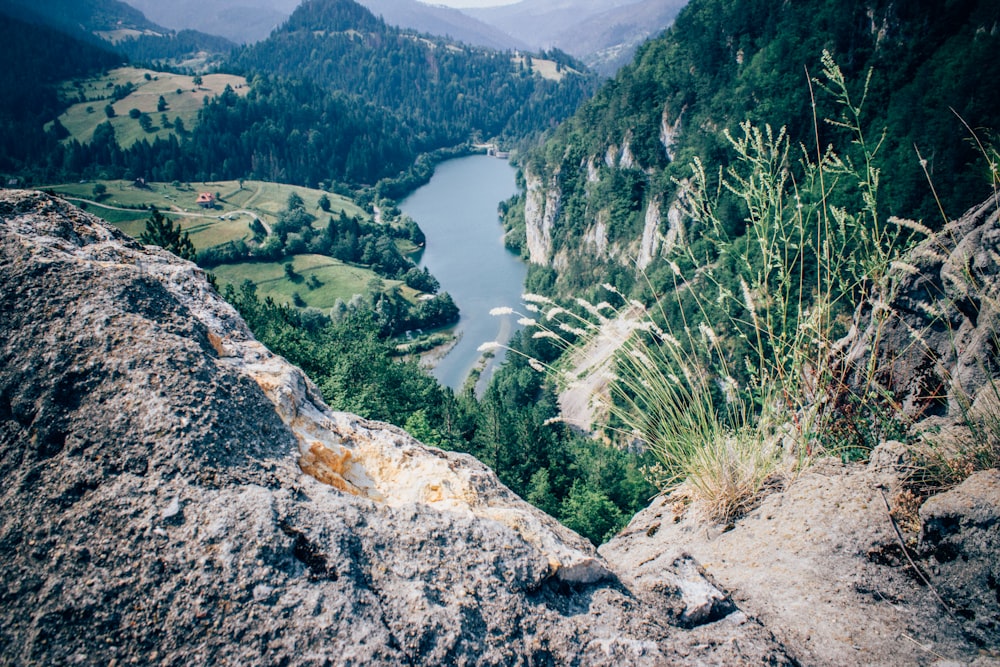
x=125 y=205
x=319 y=280
x=182 y=96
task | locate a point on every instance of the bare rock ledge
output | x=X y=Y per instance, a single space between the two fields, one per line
x=175 y=494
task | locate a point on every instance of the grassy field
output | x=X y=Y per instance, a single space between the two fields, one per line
x=321 y=280
x=183 y=99
x=547 y=69
x=336 y=280
x=125 y=206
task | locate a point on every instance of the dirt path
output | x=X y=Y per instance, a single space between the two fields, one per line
x=176 y=210
x=583 y=401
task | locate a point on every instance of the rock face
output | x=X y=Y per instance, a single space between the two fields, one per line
x=960 y=537
x=173 y=493
x=541 y=206
x=820 y=564
x=935 y=332
x=824 y=563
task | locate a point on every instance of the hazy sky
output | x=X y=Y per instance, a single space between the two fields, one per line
x=470 y=3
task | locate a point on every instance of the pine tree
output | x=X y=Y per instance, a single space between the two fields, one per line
x=162 y=232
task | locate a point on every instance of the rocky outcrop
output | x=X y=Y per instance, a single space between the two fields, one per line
x=541 y=206
x=176 y=494
x=670 y=132
x=840 y=564
x=934 y=332
x=595 y=239
x=649 y=245
x=821 y=565
x=960 y=538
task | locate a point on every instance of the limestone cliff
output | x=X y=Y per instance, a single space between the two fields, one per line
x=176 y=494
x=541 y=206
x=934 y=330
x=836 y=564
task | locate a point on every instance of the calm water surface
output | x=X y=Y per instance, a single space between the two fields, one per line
x=458 y=212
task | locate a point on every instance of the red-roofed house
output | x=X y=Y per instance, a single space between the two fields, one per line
x=206 y=200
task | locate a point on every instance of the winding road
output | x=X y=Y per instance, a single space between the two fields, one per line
x=175 y=210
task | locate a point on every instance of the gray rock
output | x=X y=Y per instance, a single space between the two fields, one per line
x=936 y=350
x=819 y=564
x=960 y=537
x=175 y=494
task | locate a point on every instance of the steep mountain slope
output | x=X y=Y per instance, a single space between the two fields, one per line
x=38 y=63
x=603 y=191
x=602 y=33
x=176 y=493
x=82 y=16
x=248 y=21
x=609 y=40
x=114 y=23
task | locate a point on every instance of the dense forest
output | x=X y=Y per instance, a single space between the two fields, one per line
x=31 y=85
x=728 y=61
x=282 y=130
x=174 y=46
x=444 y=90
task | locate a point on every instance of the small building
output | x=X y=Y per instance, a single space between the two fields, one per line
x=206 y=200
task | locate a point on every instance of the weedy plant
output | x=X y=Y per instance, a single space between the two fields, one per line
x=732 y=378
x=783 y=288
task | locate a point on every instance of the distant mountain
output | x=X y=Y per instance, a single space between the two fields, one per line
x=602 y=33
x=446 y=91
x=114 y=24
x=241 y=21
x=80 y=18
x=249 y=21
x=607 y=41
x=443 y=21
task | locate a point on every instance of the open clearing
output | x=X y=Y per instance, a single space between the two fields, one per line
x=182 y=96
x=336 y=279
x=126 y=206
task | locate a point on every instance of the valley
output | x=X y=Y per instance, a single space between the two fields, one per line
x=542 y=332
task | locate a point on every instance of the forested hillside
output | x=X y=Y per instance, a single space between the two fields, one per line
x=608 y=178
x=337 y=96
x=443 y=90
x=31 y=86
x=116 y=26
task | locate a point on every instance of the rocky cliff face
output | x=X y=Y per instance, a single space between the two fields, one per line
x=541 y=206
x=835 y=564
x=176 y=494
x=934 y=331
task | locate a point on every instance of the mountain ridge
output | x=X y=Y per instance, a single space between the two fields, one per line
x=617 y=164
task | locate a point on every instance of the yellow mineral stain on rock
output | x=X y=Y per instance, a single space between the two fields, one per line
x=328 y=466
